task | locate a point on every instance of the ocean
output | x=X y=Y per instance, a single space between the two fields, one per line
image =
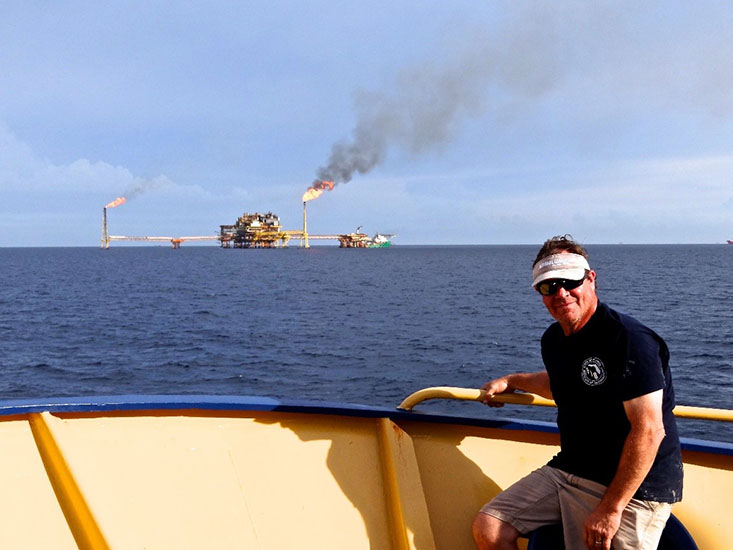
x=367 y=326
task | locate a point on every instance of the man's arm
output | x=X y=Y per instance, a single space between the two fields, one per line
x=533 y=382
x=640 y=449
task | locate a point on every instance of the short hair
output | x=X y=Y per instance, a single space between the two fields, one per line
x=560 y=243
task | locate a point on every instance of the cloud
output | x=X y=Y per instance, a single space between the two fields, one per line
x=70 y=197
x=657 y=200
x=21 y=170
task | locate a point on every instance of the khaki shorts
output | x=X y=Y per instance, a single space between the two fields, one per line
x=549 y=495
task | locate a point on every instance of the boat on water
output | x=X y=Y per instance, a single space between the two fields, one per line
x=380 y=240
x=362 y=240
x=190 y=472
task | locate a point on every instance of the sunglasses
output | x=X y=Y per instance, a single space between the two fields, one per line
x=551 y=286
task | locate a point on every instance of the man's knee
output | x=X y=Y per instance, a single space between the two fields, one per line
x=492 y=533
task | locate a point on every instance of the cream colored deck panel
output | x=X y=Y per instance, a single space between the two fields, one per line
x=195 y=482
x=317 y=482
x=31 y=517
x=461 y=471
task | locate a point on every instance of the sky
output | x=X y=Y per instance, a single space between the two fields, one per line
x=462 y=122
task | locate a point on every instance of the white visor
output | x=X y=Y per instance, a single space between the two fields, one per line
x=560 y=266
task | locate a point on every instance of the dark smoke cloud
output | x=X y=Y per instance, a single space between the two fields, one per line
x=428 y=102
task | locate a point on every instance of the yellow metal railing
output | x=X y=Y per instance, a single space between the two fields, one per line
x=81 y=521
x=470 y=394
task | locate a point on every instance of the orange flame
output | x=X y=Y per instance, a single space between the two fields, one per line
x=118 y=201
x=316 y=190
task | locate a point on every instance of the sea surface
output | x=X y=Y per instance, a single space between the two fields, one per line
x=327 y=324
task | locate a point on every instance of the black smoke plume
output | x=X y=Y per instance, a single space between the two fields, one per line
x=427 y=104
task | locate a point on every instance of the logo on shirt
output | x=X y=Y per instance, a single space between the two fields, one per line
x=593 y=372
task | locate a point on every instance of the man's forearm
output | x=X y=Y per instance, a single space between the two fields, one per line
x=533 y=382
x=637 y=457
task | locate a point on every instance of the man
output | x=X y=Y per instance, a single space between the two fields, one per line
x=619 y=467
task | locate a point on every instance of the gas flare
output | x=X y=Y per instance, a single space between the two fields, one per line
x=316 y=190
x=118 y=201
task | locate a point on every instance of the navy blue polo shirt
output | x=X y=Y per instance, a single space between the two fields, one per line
x=612 y=359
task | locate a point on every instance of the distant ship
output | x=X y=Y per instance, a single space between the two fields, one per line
x=730 y=241
x=380 y=241
x=362 y=240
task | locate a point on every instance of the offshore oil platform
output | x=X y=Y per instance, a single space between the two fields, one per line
x=264 y=231
x=254 y=230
